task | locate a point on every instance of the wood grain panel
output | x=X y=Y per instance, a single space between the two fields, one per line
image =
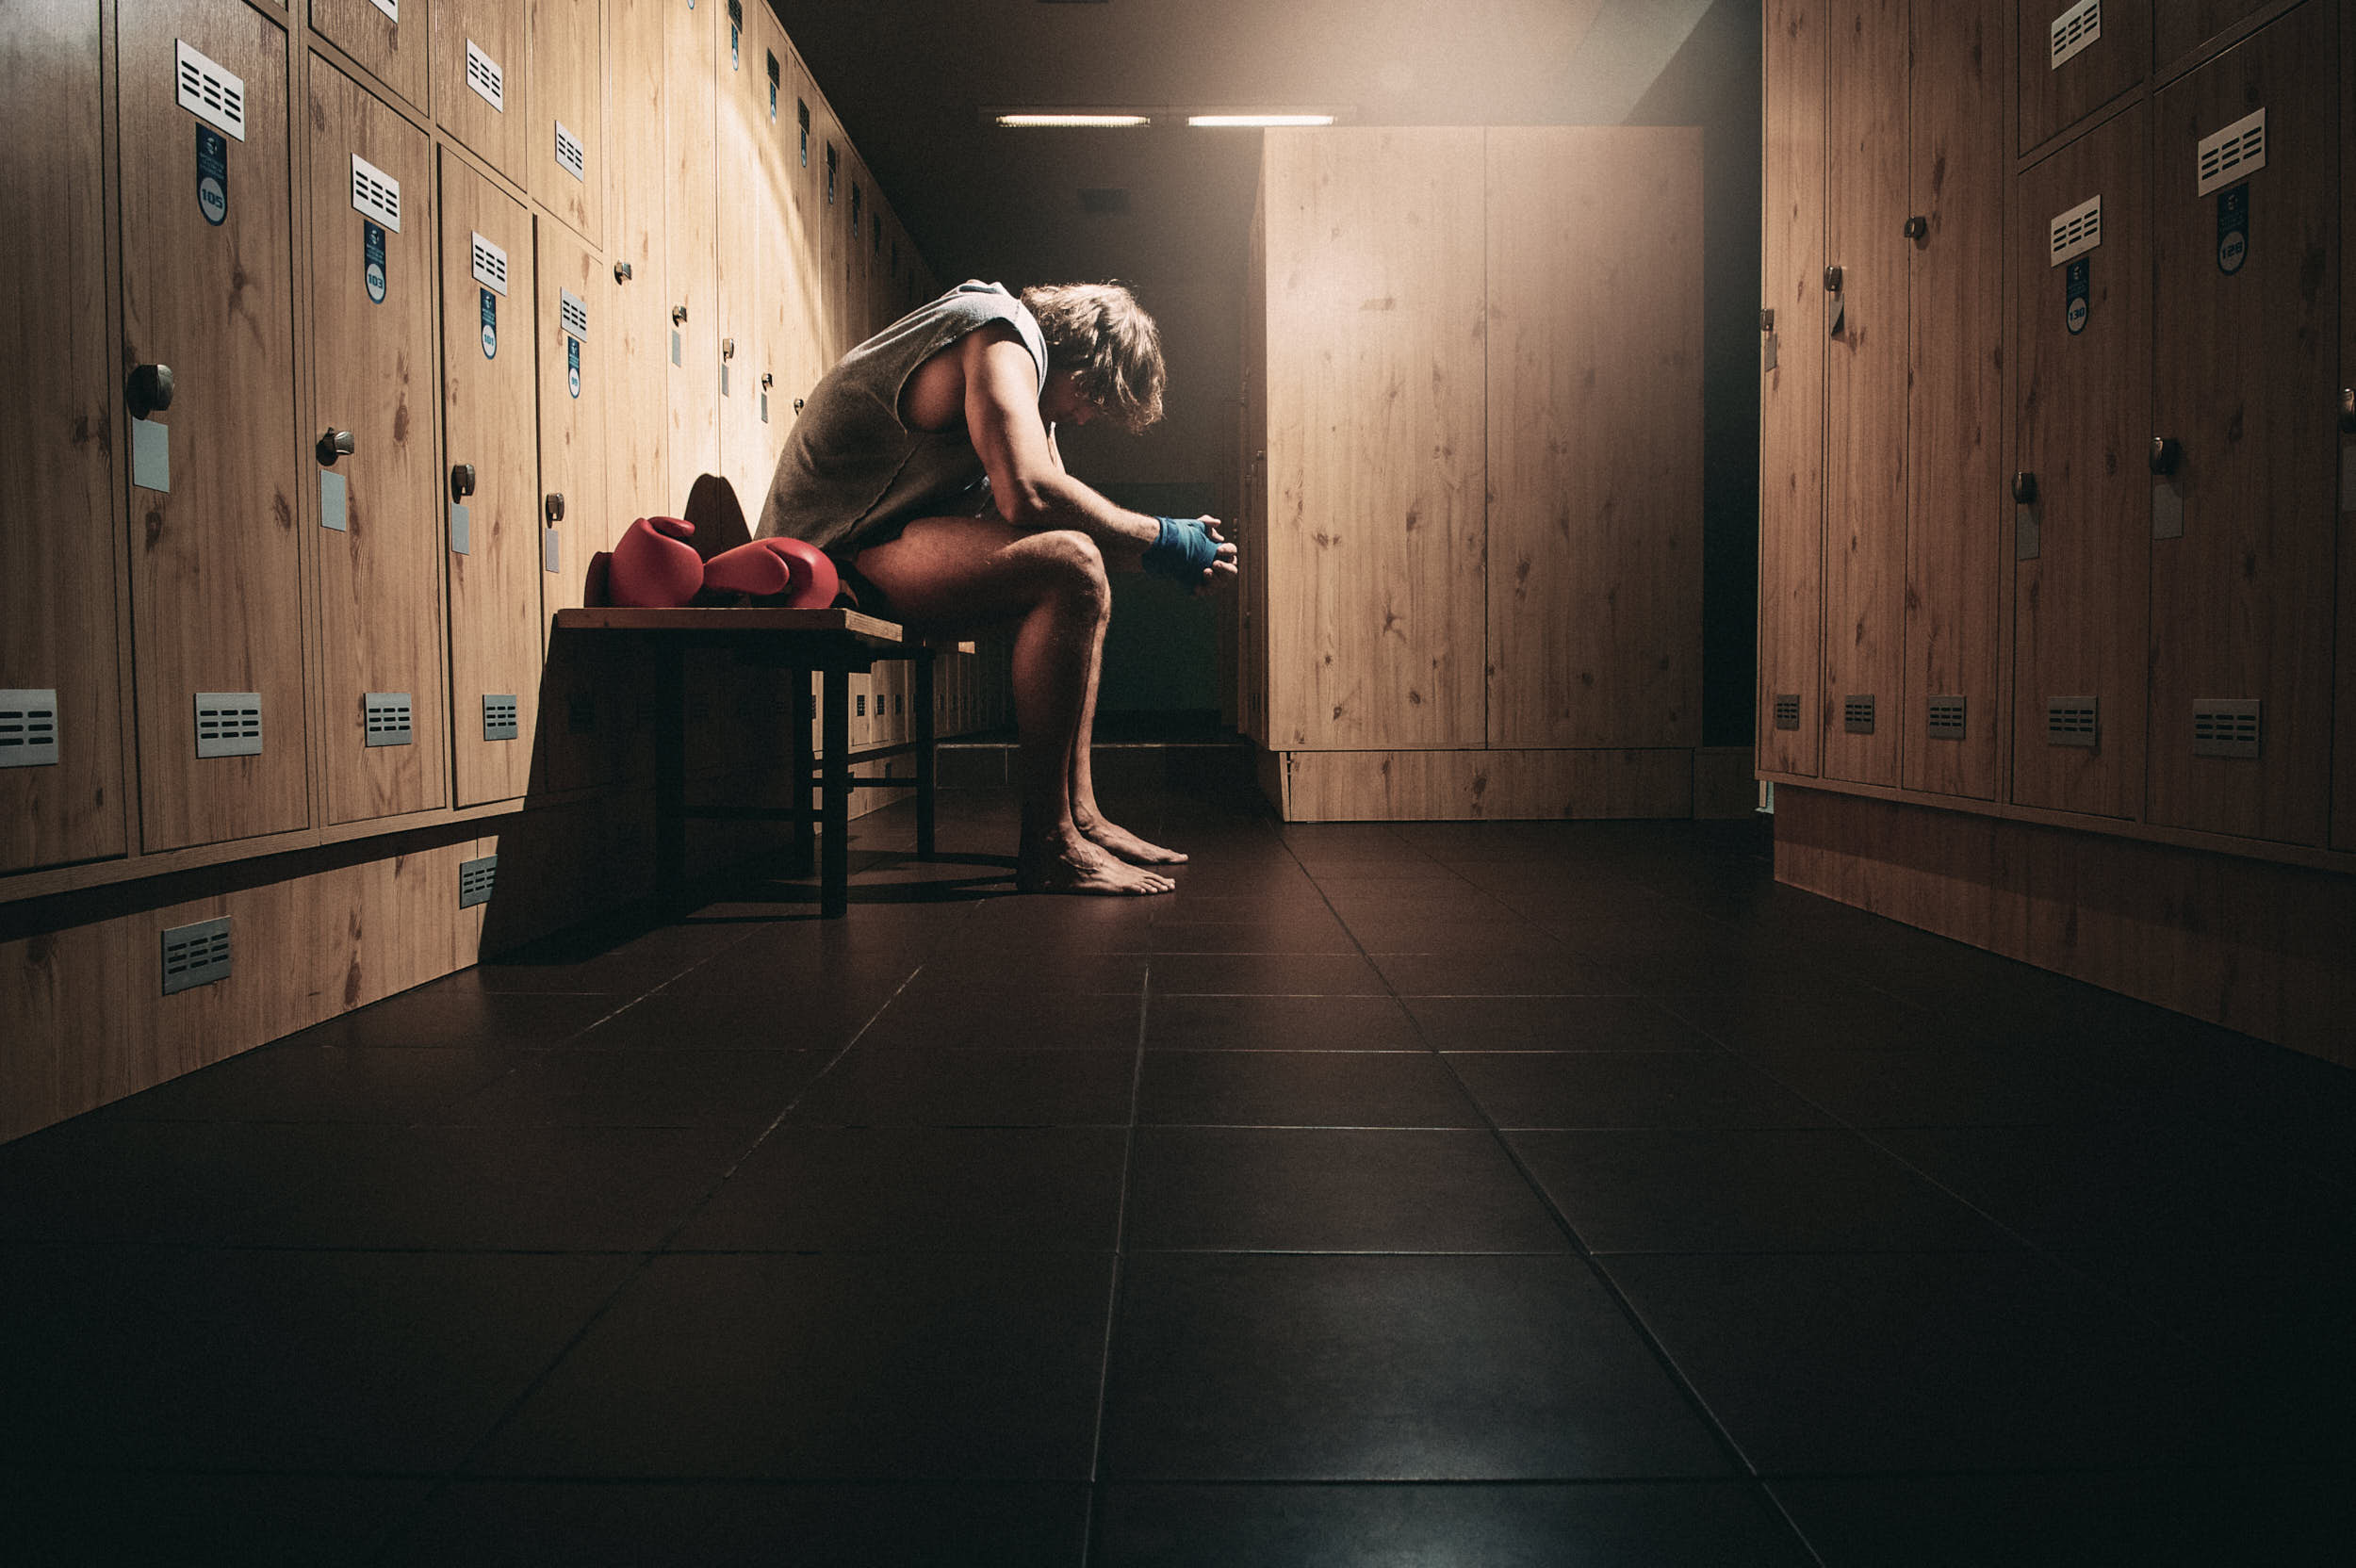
x=57 y=432
x=216 y=576
x=67 y=1035
x=808 y=343
x=495 y=615
x=2242 y=603
x=2082 y=421
x=1866 y=183
x=372 y=374
x=394 y=53
x=1594 y=436
x=1430 y=785
x=2181 y=26
x=1956 y=505
x=573 y=424
x=638 y=480
x=567 y=43
x=740 y=267
x=2051 y=97
x=1376 y=619
x=503 y=136
x=773 y=395
x=692 y=58
x=1792 y=392
x=2344 y=727
x=1251 y=522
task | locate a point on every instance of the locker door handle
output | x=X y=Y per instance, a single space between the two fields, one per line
x=623 y=271
x=767 y=381
x=2347 y=411
x=1918 y=228
x=1766 y=320
x=1832 y=280
x=149 y=390
x=679 y=315
x=797 y=406
x=462 y=482
x=555 y=506
x=335 y=444
x=2024 y=488
x=727 y=347
x=2167 y=452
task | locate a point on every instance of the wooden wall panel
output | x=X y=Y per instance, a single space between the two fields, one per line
x=2181 y=26
x=773 y=399
x=2082 y=423
x=2344 y=729
x=379 y=576
x=501 y=136
x=808 y=345
x=831 y=167
x=487 y=398
x=216 y=578
x=1866 y=180
x=1377 y=620
x=1956 y=505
x=638 y=481
x=568 y=89
x=394 y=53
x=58 y=624
x=742 y=267
x=2244 y=363
x=578 y=376
x=68 y=1040
x=691 y=60
x=2054 y=97
x=1251 y=520
x=1430 y=785
x=1594 y=433
x=1792 y=389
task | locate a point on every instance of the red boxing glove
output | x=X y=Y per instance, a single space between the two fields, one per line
x=815 y=584
x=653 y=566
x=746 y=569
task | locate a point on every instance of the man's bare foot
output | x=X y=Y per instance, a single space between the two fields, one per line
x=1127 y=845
x=1076 y=866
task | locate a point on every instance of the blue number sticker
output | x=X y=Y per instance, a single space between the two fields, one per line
x=2233 y=229
x=212 y=175
x=372 y=251
x=2079 y=290
x=572 y=364
x=490 y=325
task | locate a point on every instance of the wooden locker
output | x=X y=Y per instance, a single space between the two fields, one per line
x=1595 y=428
x=1866 y=180
x=773 y=399
x=2082 y=419
x=379 y=539
x=2074 y=57
x=808 y=343
x=1791 y=392
x=1252 y=525
x=2343 y=728
x=638 y=481
x=482 y=89
x=488 y=378
x=691 y=60
x=58 y=583
x=1955 y=499
x=577 y=373
x=2245 y=384
x=216 y=572
x=566 y=134
x=1376 y=622
x=859 y=306
x=741 y=262
x=833 y=181
x=2181 y=26
x=381 y=44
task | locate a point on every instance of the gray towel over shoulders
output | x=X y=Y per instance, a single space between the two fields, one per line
x=852 y=473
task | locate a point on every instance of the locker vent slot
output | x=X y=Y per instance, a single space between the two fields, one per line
x=210 y=93
x=499 y=716
x=570 y=154
x=229 y=724
x=2224 y=726
x=196 y=954
x=1946 y=718
x=490 y=265
x=390 y=7
x=28 y=727
x=1786 y=709
x=574 y=311
x=375 y=195
x=2075 y=232
x=388 y=717
x=2073 y=721
x=2077 y=27
x=1856 y=713
x=475 y=878
x=484 y=76
x=581 y=713
x=2233 y=153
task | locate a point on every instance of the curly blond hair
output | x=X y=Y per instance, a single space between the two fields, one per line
x=1100 y=332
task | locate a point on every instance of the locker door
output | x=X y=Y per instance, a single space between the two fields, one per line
x=494 y=532
x=1956 y=418
x=216 y=579
x=857 y=306
x=1866 y=178
x=773 y=400
x=808 y=342
x=577 y=374
x=637 y=474
x=834 y=187
x=2245 y=342
x=692 y=61
x=379 y=534
x=481 y=89
x=393 y=46
x=2344 y=729
x=2082 y=542
x=741 y=265
x=2075 y=56
x=2180 y=26
x=1791 y=724
x=58 y=606
x=566 y=130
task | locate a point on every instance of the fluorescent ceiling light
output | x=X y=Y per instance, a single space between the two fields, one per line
x=1259 y=120
x=1082 y=121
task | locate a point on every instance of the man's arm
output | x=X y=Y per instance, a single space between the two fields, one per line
x=1028 y=482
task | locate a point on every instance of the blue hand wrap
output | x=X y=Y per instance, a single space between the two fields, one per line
x=1182 y=553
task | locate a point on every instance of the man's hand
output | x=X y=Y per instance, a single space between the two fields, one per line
x=1222 y=568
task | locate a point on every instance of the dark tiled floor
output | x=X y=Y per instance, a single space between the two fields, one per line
x=1510 y=1194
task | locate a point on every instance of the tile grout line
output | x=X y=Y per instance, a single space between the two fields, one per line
x=1121 y=1256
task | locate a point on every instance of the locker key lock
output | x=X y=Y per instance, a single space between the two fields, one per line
x=462 y=482
x=2024 y=488
x=1918 y=228
x=727 y=347
x=1832 y=278
x=2167 y=452
x=1766 y=320
x=623 y=271
x=679 y=315
x=555 y=506
x=335 y=444
x=149 y=390
x=2347 y=411
x=767 y=381
x=797 y=406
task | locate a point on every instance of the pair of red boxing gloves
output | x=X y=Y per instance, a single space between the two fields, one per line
x=654 y=567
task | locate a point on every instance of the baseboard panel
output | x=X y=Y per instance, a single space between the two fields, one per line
x=1466 y=786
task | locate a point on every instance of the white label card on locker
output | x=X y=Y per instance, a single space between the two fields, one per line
x=460 y=542
x=151 y=455
x=551 y=551
x=2167 y=510
x=212 y=95
x=375 y=193
x=484 y=76
x=490 y=265
x=335 y=495
x=390 y=7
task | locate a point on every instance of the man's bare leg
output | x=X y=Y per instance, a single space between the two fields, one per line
x=951 y=573
x=1085 y=815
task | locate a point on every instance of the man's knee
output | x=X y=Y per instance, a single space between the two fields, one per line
x=1076 y=567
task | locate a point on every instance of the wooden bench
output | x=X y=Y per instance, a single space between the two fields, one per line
x=836 y=643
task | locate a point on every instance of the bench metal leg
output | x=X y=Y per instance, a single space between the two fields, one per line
x=924 y=755
x=804 y=832
x=834 y=845
x=670 y=768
